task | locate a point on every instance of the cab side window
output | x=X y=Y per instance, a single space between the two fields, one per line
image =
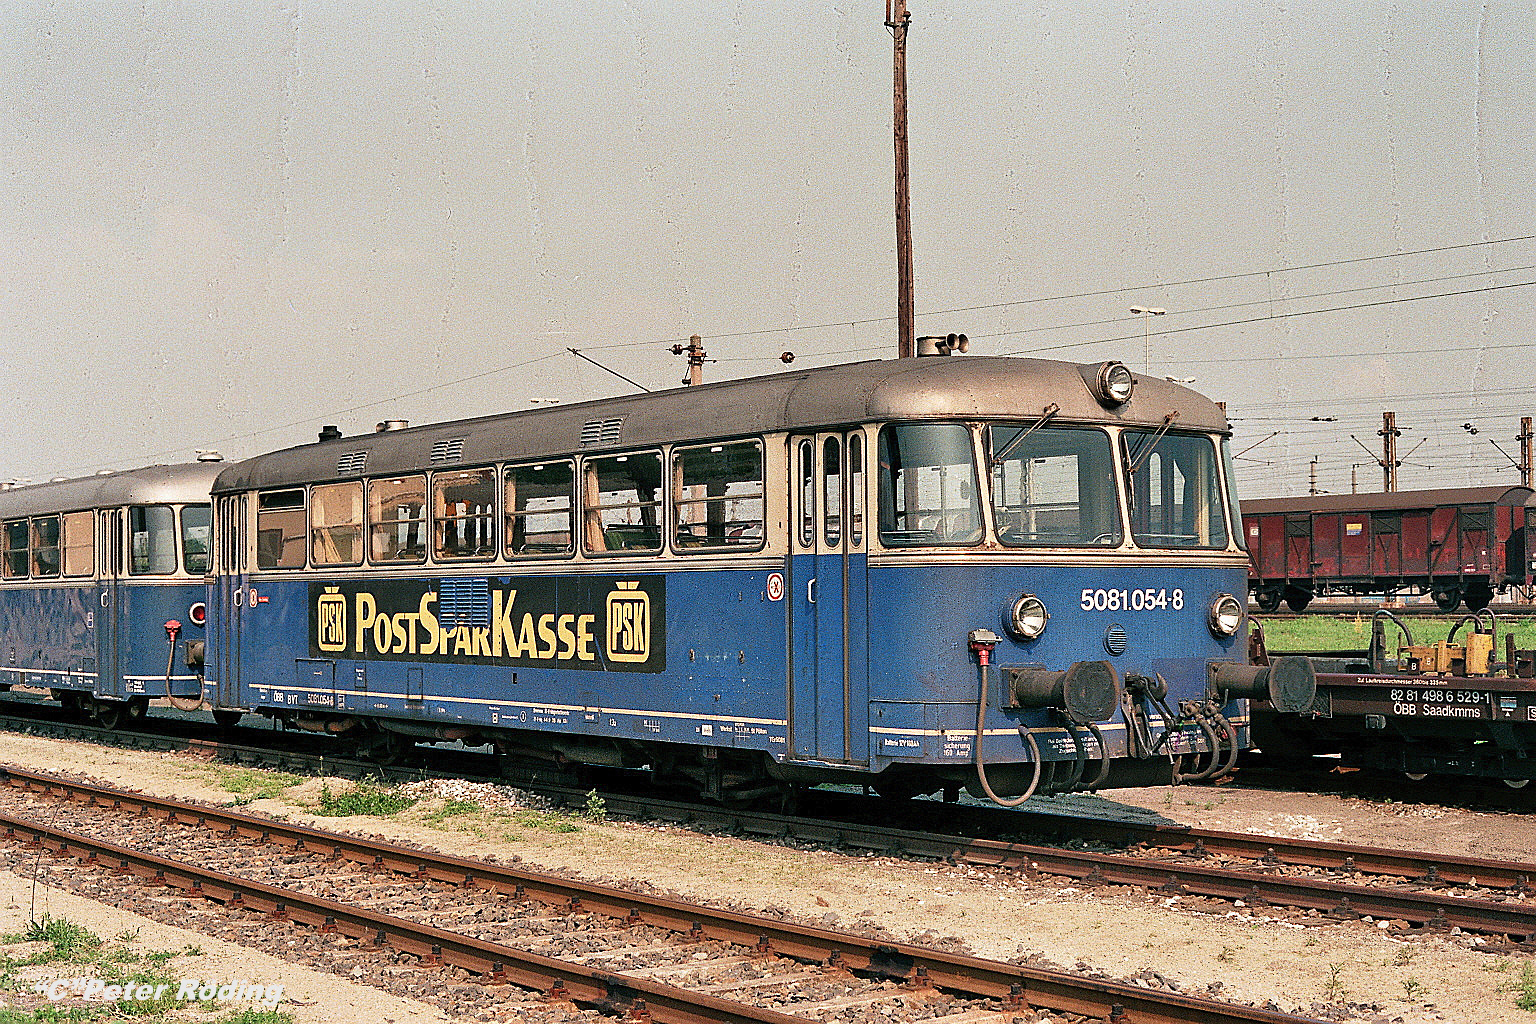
x=152 y=540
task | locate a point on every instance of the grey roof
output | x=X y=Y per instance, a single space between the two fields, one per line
x=185 y=482
x=1394 y=501
x=969 y=387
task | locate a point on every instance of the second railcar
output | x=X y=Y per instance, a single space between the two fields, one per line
x=1455 y=544
x=92 y=570
x=756 y=584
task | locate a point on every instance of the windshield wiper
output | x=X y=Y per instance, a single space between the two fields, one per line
x=1151 y=445
x=1018 y=439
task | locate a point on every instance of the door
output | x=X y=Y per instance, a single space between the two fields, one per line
x=829 y=695
x=230 y=594
x=110 y=611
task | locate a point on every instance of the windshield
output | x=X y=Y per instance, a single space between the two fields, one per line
x=1053 y=487
x=1175 y=490
x=928 y=489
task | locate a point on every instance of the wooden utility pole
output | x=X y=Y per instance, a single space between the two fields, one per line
x=897 y=19
x=1525 y=451
x=694 y=350
x=1389 y=435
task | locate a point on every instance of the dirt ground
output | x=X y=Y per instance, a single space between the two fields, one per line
x=1343 y=971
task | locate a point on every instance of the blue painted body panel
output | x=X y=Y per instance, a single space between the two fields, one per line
x=728 y=655
x=106 y=638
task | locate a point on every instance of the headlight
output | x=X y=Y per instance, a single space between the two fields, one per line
x=1027 y=617
x=1226 y=615
x=1115 y=383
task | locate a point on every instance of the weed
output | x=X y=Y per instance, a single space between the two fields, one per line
x=366 y=797
x=1405 y=956
x=1227 y=955
x=1412 y=989
x=70 y=941
x=251 y=784
x=1525 y=989
x=1311 y=941
x=596 y=809
x=257 y=1017
x=1334 y=986
x=547 y=822
x=448 y=817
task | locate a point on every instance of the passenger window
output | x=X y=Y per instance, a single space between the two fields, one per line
x=17 y=557
x=151 y=540
x=539 y=509
x=397 y=519
x=280 y=529
x=805 y=475
x=832 y=491
x=622 y=503
x=336 y=523
x=464 y=513
x=718 y=495
x=45 y=546
x=195 y=529
x=79 y=544
x=856 y=490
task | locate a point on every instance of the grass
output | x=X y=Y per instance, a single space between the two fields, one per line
x=368 y=797
x=79 y=952
x=1326 y=633
x=250 y=784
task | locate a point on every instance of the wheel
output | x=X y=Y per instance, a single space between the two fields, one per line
x=1446 y=598
x=388 y=748
x=109 y=714
x=1297 y=600
x=1267 y=600
x=1517 y=783
x=1477 y=598
x=1416 y=776
x=226 y=719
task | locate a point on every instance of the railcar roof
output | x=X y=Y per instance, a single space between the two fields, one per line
x=183 y=482
x=969 y=387
x=1394 y=501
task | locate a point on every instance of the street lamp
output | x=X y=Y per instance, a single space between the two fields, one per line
x=1148 y=312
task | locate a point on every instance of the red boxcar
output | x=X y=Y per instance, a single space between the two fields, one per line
x=1458 y=544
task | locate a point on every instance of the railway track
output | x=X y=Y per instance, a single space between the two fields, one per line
x=1416 y=891
x=597 y=947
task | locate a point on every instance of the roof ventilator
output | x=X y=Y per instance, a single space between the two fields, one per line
x=595 y=432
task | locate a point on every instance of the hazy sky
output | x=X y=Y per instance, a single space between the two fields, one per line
x=223 y=225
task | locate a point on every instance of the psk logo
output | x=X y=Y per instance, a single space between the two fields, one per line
x=629 y=622
x=331 y=620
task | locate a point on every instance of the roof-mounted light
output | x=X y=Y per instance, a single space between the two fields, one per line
x=1114 y=384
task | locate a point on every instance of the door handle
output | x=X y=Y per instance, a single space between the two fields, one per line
x=810 y=590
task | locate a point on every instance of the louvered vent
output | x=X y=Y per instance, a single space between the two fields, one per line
x=464 y=601
x=448 y=451
x=601 y=432
x=351 y=463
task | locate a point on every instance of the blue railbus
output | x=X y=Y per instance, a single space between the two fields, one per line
x=91 y=571
x=1008 y=575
